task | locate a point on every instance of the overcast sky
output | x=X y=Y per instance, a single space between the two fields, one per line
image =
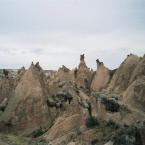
x=56 y=32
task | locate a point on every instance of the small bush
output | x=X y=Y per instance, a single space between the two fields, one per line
x=125 y=136
x=38 y=132
x=93 y=142
x=112 y=124
x=110 y=105
x=2 y=108
x=91 y=122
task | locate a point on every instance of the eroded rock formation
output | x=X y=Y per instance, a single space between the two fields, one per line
x=70 y=107
x=83 y=74
x=122 y=76
x=101 y=78
x=135 y=94
x=28 y=109
x=7 y=85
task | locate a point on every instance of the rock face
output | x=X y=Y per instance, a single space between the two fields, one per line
x=135 y=94
x=7 y=86
x=139 y=71
x=62 y=75
x=83 y=74
x=101 y=78
x=20 y=73
x=122 y=76
x=63 y=125
x=27 y=109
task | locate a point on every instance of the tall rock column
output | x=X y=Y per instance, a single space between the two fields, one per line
x=83 y=74
x=101 y=78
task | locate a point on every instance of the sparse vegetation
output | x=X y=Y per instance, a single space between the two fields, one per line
x=112 y=124
x=125 y=136
x=93 y=142
x=91 y=122
x=2 y=108
x=38 y=132
x=16 y=140
x=110 y=105
x=58 y=99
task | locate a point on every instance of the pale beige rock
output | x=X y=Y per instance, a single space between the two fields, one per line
x=135 y=94
x=109 y=143
x=65 y=74
x=27 y=109
x=72 y=143
x=91 y=134
x=83 y=74
x=139 y=70
x=62 y=75
x=65 y=139
x=101 y=78
x=63 y=125
x=20 y=73
x=7 y=86
x=122 y=76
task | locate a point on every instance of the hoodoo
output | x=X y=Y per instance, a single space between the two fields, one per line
x=101 y=77
x=84 y=74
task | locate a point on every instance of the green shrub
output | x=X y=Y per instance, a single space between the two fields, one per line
x=125 y=136
x=38 y=132
x=110 y=105
x=2 y=108
x=93 y=142
x=91 y=122
x=112 y=124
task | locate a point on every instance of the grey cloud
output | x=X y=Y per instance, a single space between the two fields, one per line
x=59 y=30
x=39 y=51
x=9 y=51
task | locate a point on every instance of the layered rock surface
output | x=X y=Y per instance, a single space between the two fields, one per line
x=135 y=94
x=27 y=109
x=139 y=70
x=122 y=76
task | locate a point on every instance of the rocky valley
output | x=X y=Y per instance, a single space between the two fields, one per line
x=74 y=107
